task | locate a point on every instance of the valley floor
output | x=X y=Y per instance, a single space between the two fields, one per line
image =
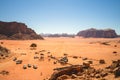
x=91 y=48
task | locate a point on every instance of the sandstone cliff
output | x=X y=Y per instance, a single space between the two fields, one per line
x=107 y=33
x=15 y=30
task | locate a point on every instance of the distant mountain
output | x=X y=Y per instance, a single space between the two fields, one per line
x=58 y=35
x=106 y=33
x=16 y=30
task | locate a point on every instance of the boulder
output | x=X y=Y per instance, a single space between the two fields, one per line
x=35 y=67
x=19 y=62
x=117 y=72
x=24 y=67
x=102 y=61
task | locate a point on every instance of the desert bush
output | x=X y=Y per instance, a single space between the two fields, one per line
x=33 y=46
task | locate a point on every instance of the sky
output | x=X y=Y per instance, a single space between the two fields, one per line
x=62 y=16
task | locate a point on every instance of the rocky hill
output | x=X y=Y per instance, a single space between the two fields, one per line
x=16 y=30
x=107 y=33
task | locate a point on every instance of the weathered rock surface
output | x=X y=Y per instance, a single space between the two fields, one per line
x=85 y=72
x=108 y=33
x=15 y=30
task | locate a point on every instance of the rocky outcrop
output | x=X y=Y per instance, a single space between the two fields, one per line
x=87 y=72
x=15 y=30
x=108 y=33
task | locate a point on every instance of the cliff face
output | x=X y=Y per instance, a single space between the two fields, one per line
x=109 y=33
x=15 y=30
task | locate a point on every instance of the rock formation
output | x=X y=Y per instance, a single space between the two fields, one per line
x=108 y=33
x=15 y=30
x=87 y=72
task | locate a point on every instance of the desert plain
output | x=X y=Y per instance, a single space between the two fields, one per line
x=91 y=48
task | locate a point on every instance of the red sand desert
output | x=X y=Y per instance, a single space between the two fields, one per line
x=81 y=47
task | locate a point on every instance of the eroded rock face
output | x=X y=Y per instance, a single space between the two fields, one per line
x=108 y=33
x=15 y=30
x=85 y=72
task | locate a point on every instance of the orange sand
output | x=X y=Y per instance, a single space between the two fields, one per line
x=57 y=47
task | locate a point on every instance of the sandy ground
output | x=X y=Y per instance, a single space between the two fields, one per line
x=88 y=47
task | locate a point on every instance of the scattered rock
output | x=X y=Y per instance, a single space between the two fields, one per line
x=24 y=67
x=63 y=60
x=115 y=45
x=75 y=57
x=86 y=65
x=117 y=72
x=105 y=43
x=104 y=74
x=19 y=62
x=36 y=53
x=1 y=42
x=84 y=58
x=35 y=67
x=97 y=76
x=102 y=61
x=91 y=62
x=4 y=72
x=29 y=65
x=55 y=62
x=14 y=59
x=36 y=57
x=114 y=52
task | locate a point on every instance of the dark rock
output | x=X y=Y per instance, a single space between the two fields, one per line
x=105 y=43
x=101 y=61
x=63 y=60
x=84 y=58
x=115 y=64
x=109 y=33
x=66 y=71
x=35 y=67
x=117 y=72
x=14 y=59
x=103 y=74
x=4 y=72
x=75 y=57
x=19 y=62
x=24 y=67
x=86 y=65
x=36 y=57
x=97 y=75
x=91 y=62
x=54 y=62
x=29 y=65
x=16 y=30
x=63 y=77
x=114 y=52
x=115 y=45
